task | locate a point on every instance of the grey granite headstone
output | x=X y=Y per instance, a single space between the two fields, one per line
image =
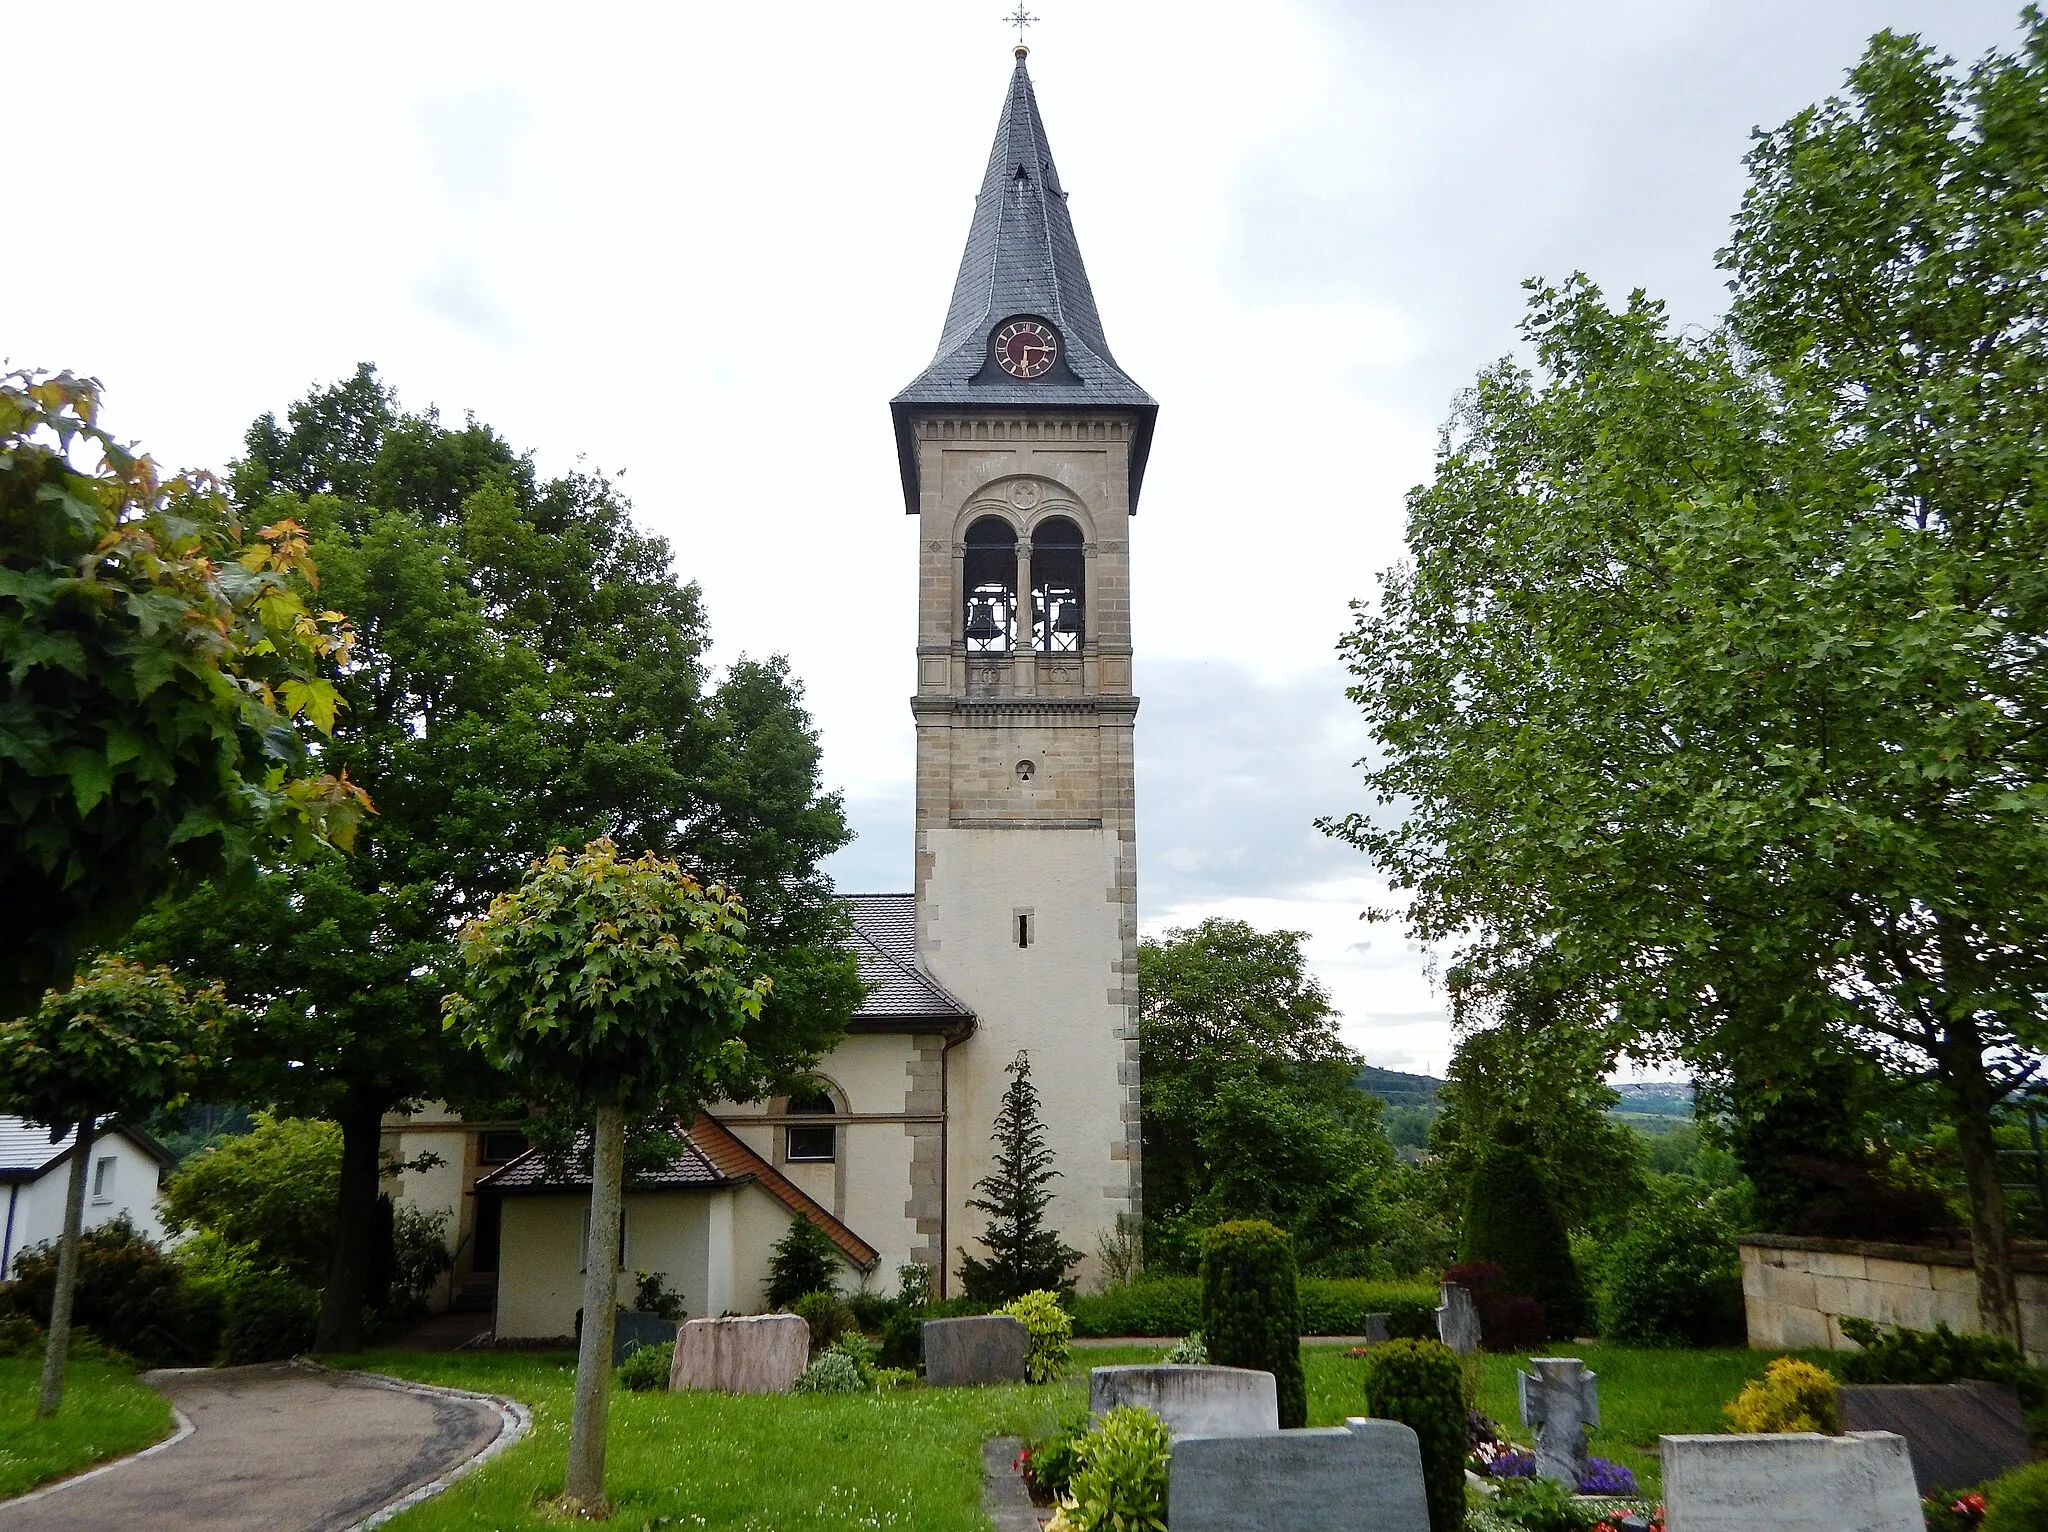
x=1376 y=1328
x=631 y=1330
x=1959 y=1434
x=1796 y=1481
x=752 y=1354
x=1457 y=1322
x=1560 y=1399
x=1365 y=1476
x=1193 y=1401
x=988 y=1348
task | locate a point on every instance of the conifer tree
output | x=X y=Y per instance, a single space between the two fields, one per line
x=1023 y=1255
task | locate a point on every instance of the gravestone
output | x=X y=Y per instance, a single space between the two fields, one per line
x=754 y=1354
x=1457 y=1322
x=1193 y=1401
x=1365 y=1476
x=1376 y=1328
x=1959 y=1434
x=1560 y=1399
x=631 y=1330
x=965 y=1353
x=1796 y=1481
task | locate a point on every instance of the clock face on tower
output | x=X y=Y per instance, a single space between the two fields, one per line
x=1026 y=349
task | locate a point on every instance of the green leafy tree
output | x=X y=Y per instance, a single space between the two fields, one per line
x=159 y=673
x=1249 y=1102
x=621 y=987
x=270 y=1190
x=531 y=672
x=1713 y=679
x=1024 y=1256
x=804 y=1261
x=121 y=1042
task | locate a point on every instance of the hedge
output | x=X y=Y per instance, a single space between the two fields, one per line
x=1329 y=1306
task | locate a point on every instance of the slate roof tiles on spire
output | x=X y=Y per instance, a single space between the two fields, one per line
x=1022 y=258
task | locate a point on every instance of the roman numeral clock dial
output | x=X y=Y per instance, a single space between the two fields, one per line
x=1026 y=349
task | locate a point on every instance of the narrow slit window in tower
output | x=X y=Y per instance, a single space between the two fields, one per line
x=1056 y=583
x=990 y=575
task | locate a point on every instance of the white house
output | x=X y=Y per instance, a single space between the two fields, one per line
x=127 y=1168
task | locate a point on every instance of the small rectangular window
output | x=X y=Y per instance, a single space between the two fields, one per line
x=1024 y=931
x=811 y=1145
x=103 y=1180
x=500 y=1147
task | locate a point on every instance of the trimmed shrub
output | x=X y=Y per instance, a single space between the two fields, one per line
x=1790 y=1396
x=2017 y=1501
x=1251 y=1311
x=1049 y=1329
x=1421 y=1384
x=834 y=1372
x=1119 y=1481
x=804 y=1261
x=1508 y=1321
x=1159 y=1305
x=1937 y=1356
x=129 y=1294
x=828 y=1315
x=1511 y=1220
x=903 y=1339
x=871 y=1311
x=1674 y=1279
x=646 y=1368
x=270 y=1317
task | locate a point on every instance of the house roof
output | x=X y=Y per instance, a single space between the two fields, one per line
x=901 y=996
x=27 y=1152
x=1022 y=259
x=710 y=1157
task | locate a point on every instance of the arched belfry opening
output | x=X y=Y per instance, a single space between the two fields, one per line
x=1058 y=579
x=989 y=575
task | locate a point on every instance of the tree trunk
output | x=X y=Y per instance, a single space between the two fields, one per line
x=1998 y=1299
x=585 y=1485
x=341 y=1304
x=57 y=1347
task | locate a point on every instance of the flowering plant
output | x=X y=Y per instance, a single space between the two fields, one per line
x=1962 y=1513
x=1502 y=1460
x=1652 y=1521
x=1604 y=1478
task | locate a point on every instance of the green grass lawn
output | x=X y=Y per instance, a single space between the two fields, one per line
x=911 y=1458
x=106 y=1414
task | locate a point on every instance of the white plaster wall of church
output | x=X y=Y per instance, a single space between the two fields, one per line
x=1051 y=999
x=437 y=1188
x=540 y=1278
x=759 y=1221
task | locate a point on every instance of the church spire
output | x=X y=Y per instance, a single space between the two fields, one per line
x=1022 y=260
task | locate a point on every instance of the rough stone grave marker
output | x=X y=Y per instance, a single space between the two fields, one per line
x=1376 y=1328
x=1958 y=1433
x=1560 y=1399
x=1796 y=1481
x=752 y=1354
x=1193 y=1401
x=1365 y=1476
x=965 y=1353
x=631 y=1330
x=1457 y=1321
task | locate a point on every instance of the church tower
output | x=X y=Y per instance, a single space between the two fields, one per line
x=1022 y=448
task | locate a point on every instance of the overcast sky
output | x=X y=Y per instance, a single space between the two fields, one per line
x=704 y=245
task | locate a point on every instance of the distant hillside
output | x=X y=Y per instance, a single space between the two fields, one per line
x=1655 y=1098
x=1396 y=1088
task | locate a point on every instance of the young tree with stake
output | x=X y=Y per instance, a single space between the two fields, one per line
x=121 y=1042
x=621 y=987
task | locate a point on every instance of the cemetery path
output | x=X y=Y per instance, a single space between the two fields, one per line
x=280 y=1447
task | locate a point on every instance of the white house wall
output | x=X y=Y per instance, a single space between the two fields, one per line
x=38 y=1206
x=540 y=1284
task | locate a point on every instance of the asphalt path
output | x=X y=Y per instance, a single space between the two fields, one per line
x=274 y=1448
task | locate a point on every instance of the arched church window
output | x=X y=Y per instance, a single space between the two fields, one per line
x=808 y=1143
x=990 y=575
x=1057 y=577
